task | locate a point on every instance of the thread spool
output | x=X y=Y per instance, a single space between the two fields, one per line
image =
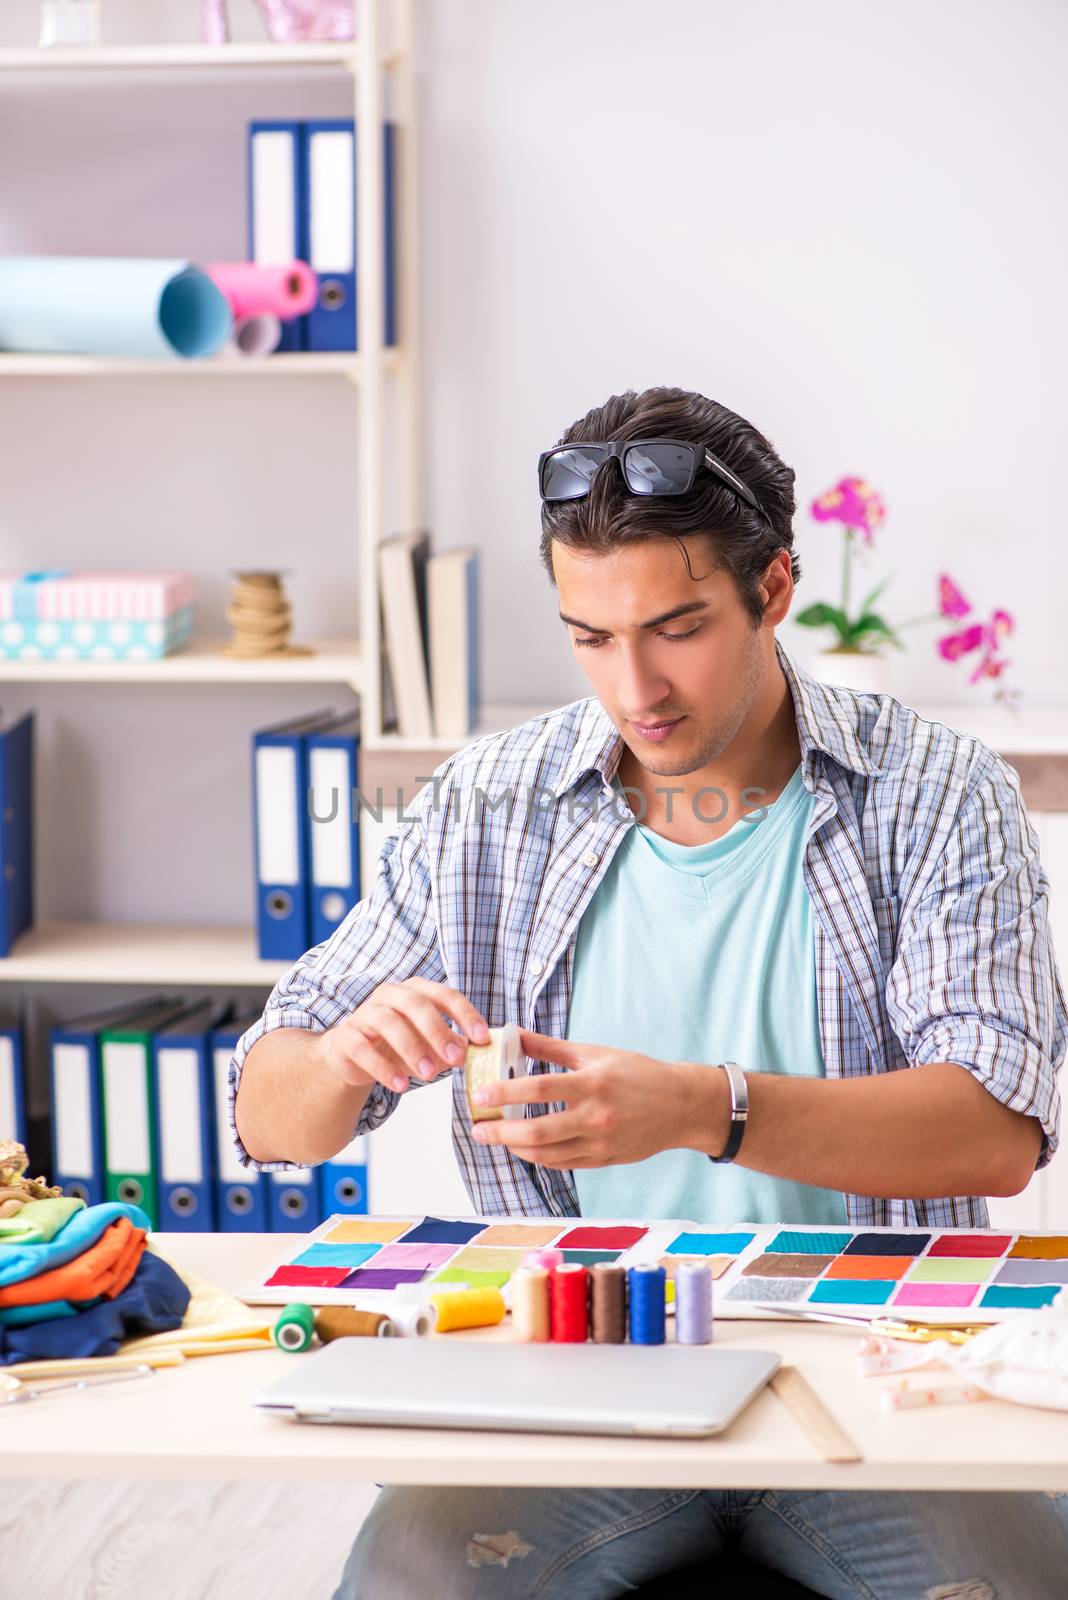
x=543 y=1258
x=294 y=1328
x=412 y=1320
x=496 y=1062
x=345 y=1322
x=569 y=1288
x=647 y=1303
x=693 y=1303
x=608 y=1303
x=467 y=1308
x=531 y=1321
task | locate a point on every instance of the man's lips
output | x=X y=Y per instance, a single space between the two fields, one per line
x=659 y=726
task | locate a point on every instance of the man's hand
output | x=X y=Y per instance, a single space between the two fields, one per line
x=619 y=1106
x=398 y=1033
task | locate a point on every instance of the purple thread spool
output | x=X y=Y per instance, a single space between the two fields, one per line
x=693 y=1303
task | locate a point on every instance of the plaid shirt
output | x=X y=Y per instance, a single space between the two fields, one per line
x=930 y=913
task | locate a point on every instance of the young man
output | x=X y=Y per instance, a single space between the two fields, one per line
x=714 y=879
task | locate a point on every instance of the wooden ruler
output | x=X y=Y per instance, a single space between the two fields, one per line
x=807 y=1409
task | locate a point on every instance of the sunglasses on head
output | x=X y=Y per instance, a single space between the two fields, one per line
x=649 y=467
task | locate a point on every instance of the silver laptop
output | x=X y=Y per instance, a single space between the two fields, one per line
x=661 y=1390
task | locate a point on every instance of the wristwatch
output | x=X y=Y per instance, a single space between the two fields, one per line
x=739 y=1109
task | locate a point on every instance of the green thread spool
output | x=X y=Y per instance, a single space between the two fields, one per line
x=294 y=1328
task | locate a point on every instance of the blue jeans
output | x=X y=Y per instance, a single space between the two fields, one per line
x=593 y=1544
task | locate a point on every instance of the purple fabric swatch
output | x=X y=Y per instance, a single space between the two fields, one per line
x=435 y=1230
x=380 y=1277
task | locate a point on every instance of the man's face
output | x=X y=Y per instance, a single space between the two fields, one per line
x=676 y=663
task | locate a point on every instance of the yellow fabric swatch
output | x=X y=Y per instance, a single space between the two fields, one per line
x=352 y=1231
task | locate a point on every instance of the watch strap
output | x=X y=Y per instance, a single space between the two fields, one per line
x=739 y=1110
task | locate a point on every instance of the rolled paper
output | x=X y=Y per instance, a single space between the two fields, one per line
x=467 y=1308
x=345 y=1322
x=294 y=1328
x=496 y=1062
x=287 y=290
x=102 y=306
x=254 y=336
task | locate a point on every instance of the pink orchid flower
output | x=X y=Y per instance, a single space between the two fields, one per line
x=982 y=636
x=853 y=502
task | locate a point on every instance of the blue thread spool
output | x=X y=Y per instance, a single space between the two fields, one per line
x=647 y=1300
x=693 y=1303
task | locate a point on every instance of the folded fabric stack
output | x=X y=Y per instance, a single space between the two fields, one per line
x=76 y=1280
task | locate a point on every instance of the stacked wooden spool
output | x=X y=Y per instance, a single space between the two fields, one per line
x=261 y=618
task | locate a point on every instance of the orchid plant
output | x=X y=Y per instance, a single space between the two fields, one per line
x=985 y=637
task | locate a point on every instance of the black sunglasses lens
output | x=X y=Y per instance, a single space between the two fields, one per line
x=567 y=474
x=658 y=468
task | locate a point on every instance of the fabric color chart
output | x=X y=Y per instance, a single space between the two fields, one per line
x=934 y=1274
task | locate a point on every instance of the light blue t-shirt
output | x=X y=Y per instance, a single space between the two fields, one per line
x=704 y=953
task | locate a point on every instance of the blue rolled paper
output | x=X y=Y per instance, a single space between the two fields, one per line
x=123 y=306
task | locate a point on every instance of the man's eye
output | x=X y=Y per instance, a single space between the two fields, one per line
x=675 y=637
x=591 y=644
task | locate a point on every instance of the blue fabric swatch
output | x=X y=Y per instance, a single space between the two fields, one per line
x=709 y=1244
x=809 y=1244
x=335 y=1255
x=853 y=1291
x=435 y=1230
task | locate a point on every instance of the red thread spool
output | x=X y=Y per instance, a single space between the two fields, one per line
x=570 y=1293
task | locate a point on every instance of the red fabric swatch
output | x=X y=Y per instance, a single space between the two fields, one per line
x=308 y=1277
x=601 y=1238
x=971 y=1244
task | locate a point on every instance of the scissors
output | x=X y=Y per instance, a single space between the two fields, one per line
x=13 y=1390
x=892 y=1327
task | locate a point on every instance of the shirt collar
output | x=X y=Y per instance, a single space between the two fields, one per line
x=827 y=718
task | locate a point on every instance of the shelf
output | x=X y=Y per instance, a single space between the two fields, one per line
x=94 y=58
x=100 y=952
x=335 y=661
x=15 y=364
x=1030 y=731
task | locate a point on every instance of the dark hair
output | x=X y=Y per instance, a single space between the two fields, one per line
x=611 y=515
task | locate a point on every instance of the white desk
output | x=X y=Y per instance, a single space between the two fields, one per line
x=197 y=1422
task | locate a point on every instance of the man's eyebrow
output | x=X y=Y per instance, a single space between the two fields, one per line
x=653 y=622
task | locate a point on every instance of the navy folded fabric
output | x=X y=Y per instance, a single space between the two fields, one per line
x=154 y=1301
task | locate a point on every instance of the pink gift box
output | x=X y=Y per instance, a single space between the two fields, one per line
x=62 y=596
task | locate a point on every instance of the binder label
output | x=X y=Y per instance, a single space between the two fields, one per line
x=73 y=1110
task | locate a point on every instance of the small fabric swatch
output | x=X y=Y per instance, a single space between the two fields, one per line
x=335 y=1255
x=474 y=1280
x=717 y=1265
x=971 y=1244
x=853 y=1291
x=709 y=1244
x=769 y=1289
x=936 y=1294
x=1030 y=1247
x=848 y=1266
x=477 y=1259
x=422 y=1256
x=381 y=1277
x=618 y=1238
x=778 y=1264
x=1016 y=1295
x=1032 y=1272
x=590 y=1258
x=436 y=1230
x=956 y=1269
x=888 y=1244
x=528 y=1235
x=294 y=1277
x=798 y=1243
x=353 y=1231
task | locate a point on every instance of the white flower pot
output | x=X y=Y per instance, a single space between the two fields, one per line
x=850 y=669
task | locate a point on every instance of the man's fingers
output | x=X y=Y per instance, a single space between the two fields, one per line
x=532 y=1133
x=561 y=1052
x=376 y=1059
x=467 y=1017
x=536 y=1088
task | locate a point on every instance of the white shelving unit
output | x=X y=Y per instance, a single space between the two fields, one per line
x=220 y=956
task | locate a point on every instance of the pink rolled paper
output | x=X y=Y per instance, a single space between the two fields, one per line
x=286 y=290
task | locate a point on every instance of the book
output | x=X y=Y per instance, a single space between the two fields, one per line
x=402 y=563
x=452 y=625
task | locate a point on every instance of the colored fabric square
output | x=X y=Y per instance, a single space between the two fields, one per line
x=853 y=1291
x=1019 y=1296
x=887 y=1244
x=769 y=1289
x=528 y=1235
x=778 y=1264
x=936 y=1294
x=717 y=1265
x=618 y=1238
x=1032 y=1247
x=1025 y=1271
x=439 y=1230
x=335 y=1255
x=474 y=1280
x=358 y=1230
x=708 y=1244
x=970 y=1244
x=381 y=1277
x=476 y=1259
x=590 y=1258
x=953 y=1269
x=423 y=1256
x=799 y=1242
x=292 y=1277
x=847 y=1266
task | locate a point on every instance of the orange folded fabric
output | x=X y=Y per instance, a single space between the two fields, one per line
x=104 y=1269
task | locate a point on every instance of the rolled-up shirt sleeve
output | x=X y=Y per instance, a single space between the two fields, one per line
x=975 y=978
x=389 y=936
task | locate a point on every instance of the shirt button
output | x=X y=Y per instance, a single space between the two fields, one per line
x=590 y=858
x=537 y=966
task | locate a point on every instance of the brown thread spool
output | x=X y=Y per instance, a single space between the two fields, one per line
x=608 y=1303
x=344 y=1322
